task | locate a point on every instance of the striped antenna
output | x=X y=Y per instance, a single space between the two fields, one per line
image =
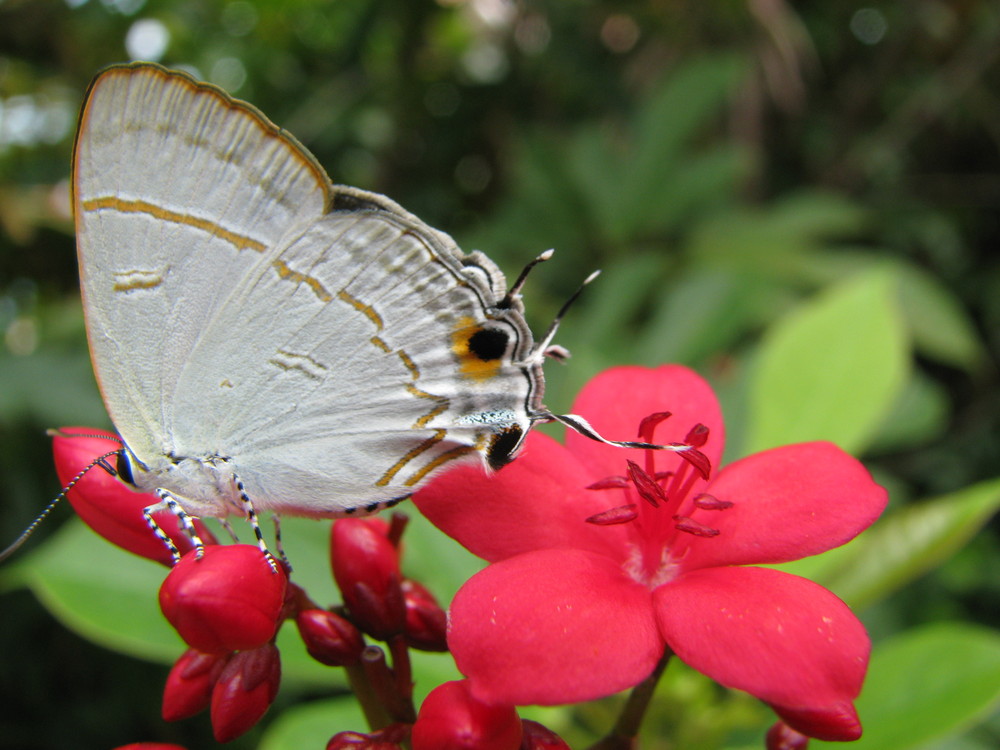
x=101 y=461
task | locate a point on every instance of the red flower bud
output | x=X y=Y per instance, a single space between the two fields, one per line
x=244 y=691
x=150 y=746
x=451 y=719
x=384 y=739
x=539 y=737
x=190 y=682
x=426 y=622
x=366 y=568
x=329 y=638
x=783 y=737
x=229 y=600
x=835 y=723
x=107 y=505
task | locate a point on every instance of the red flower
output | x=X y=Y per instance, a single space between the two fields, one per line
x=570 y=611
x=190 y=683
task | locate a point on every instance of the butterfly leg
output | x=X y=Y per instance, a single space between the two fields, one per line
x=167 y=502
x=251 y=515
x=277 y=543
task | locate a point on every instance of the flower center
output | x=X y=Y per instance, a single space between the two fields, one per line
x=661 y=506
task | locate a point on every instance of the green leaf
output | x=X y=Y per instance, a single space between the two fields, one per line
x=940 y=327
x=919 y=413
x=927 y=684
x=902 y=546
x=831 y=369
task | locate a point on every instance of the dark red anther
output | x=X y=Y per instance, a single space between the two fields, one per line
x=649 y=423
x=615 y=516
x=710 y=502
x=696 y=458
x=645 y=485
x=609 y=483
x=697 y=436
x=690 y=526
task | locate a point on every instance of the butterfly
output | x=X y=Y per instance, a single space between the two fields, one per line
x=265 y=340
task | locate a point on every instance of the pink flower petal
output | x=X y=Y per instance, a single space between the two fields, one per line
x=537 y=502
x=788 y=503
x=782 y=638
x=552 y=627
x=617 y=400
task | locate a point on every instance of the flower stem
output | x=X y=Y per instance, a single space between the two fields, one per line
x=626 y=729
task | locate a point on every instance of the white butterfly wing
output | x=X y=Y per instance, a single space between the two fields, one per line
x=175 y=197
x=326 y=346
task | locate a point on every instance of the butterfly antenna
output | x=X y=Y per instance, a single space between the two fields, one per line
x=508 y=299
x=99 y=461
x=544 y=347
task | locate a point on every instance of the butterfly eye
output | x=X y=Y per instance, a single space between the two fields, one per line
x=123 y=465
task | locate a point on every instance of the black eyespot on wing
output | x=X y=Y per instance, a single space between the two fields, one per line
x=502 y=447
x=123 y=467
x=488 y=343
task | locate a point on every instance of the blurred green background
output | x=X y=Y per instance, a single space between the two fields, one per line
x=800 y=200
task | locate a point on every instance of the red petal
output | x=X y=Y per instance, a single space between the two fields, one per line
x=788 y=503
x=616 y=401
x=537 y=502
x=779 y=637
x=244 y=691
x=551 y=627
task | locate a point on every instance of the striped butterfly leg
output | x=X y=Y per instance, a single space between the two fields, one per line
x=251 y=516
x=168 y=502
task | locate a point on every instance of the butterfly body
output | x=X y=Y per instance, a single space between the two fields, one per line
x=259 y=332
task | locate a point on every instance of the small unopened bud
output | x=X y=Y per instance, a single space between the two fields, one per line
x=190 y=682
x=783 y=737
x=452 y=719
x=150 y=746
x=366 y=568
x=539 y=737
x=228 y=600
x=389 y=738
x=329 y=638
x=244 y=691
x=426 y=622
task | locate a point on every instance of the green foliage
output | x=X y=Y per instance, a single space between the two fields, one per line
x=777 y=195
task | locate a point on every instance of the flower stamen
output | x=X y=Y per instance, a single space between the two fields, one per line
x=710 y=502
x=690 y=526
x=615 y=516
x=645 y=485
x=609 y=483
